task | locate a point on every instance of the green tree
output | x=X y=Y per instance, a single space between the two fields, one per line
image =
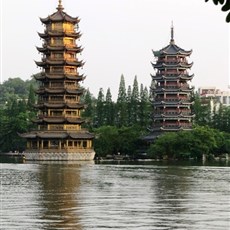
x=121 y=108
x=135 y=102
x=109 y=109
x=144 y=109
x=106 y=140
x=129 y=106
x=100 y=115
x=225 y=7
x=89 y=110
x=31 y=98
x=202 y=111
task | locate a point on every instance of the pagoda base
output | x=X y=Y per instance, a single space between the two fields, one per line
x=56 y=156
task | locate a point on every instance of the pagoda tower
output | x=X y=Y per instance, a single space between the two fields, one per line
x=59 y=135
x=171 y=93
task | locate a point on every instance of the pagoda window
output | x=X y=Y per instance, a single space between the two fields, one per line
x=69 y=41
x=70 y=98
x=70 y=84
x=56 y=69
x=68 y=26
x=45 y=144
x=57 y=55
x=70 y=143
x=56 y=84
x=71 y=112
x=56 y=113
x=57 y=41
x=70 y=56
x=57 y=26
x=55 y=127
x=56 y=98
x=54 y=144
x=84 y=144
x=70 y=69
x=72 y=127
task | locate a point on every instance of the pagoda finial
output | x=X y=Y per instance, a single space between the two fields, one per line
x=60 y=7
x=172 y=34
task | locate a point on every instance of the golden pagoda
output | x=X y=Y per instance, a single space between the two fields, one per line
x=59 y=135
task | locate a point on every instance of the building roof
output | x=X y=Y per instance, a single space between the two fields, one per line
x=172 y=48
x=58 y=135
x=44 y=75
x=60 y=16
x=172 y=78
x=47 y=48
x=59 y=62
x=59 y=34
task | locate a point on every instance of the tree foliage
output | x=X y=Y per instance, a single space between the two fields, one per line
x=190 y=144
x=225 y=7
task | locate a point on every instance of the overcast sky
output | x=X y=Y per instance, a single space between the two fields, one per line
x=118 y=38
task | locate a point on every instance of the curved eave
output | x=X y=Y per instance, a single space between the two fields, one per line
x=171 y=50
x=59 y=106
x=50 y=120
x=176 y=65
x=75 y=120
x=180 y=52
x=172 y=78
x=50 y=106
x=75 y=91
x=63 y=76
x=75 y=63
x=47 y=135
x=46 y=49
x=81 y=135
x=60 y=62
x=51 y=91
x=177 y=116
x=172 y=90
x=60 y=34
x=166 y=103
x=58 y=135
x=75 y=106
x=60 y=16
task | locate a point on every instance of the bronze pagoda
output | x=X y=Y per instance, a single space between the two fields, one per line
x=171 y=92
x=59 y=135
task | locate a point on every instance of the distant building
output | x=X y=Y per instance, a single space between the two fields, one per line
x=59 y=135
x=214 y=95
x=171 y=92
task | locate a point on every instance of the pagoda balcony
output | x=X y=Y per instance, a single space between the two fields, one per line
x=173 y=73
x=60 y=33
x=176 y=61
x=54 y=59
x=169 y=113
x=62 y=72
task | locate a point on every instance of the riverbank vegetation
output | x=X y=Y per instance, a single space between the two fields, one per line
x=119 y=125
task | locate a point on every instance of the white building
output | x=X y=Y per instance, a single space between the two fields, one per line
x=219 y=96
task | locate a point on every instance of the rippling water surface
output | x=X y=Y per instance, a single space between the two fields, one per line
x=114 y=196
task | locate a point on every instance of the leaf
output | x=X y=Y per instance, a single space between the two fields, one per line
x=216 y=2
x=226 y=6
x=221 y=2
x=228 y=17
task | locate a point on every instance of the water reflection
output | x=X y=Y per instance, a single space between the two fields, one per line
x=170 y=193
x=92 y=196
x=60 y=183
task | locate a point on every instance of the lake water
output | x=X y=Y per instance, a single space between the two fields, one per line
x=114 y=196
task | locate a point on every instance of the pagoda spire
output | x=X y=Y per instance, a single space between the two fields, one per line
x=60 y=7
x=172 y=35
